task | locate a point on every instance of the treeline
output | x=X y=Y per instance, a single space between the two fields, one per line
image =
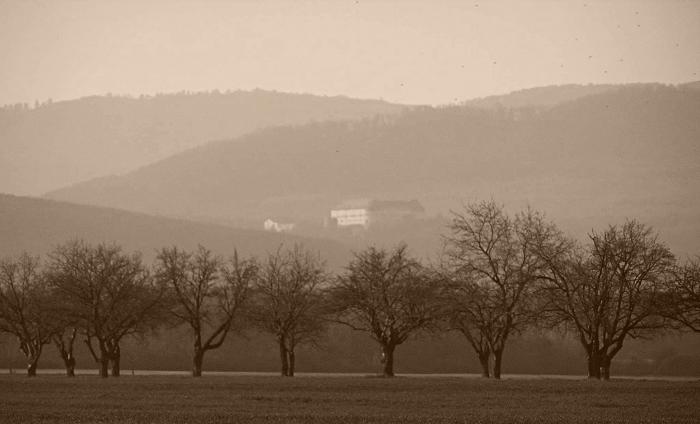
x=497 y=276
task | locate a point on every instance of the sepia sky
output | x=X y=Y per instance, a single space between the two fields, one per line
x=413 y=52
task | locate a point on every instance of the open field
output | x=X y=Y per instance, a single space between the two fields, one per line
x=262 y=399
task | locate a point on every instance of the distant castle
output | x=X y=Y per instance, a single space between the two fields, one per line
x=368 y=212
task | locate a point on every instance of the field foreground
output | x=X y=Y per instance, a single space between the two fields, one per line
x=256 y=399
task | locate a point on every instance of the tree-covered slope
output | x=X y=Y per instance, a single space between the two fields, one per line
x=38 y=225
x=61 y=143
x=629 y=152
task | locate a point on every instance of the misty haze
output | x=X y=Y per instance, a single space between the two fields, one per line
x=349 y=211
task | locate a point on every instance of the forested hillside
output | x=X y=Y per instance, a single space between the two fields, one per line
x=539 y=97
x=552 y=95
x=631 y=151
x=58 y=143
x=38 y=226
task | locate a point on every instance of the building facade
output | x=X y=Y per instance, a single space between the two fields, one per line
x=368 y=212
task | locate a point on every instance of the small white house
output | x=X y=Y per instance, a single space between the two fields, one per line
x=270 y=225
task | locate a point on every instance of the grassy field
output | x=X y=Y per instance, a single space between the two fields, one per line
x=257 y=399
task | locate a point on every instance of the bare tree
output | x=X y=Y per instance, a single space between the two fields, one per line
x=64 y=340
x=464 y=312
x=289 y=302
x=388 y=295
x=207 y=294
x=23 y=307
x=683 y=304
x=107 y=294
x=66 y=330
x=492 y=275
x=607 y=291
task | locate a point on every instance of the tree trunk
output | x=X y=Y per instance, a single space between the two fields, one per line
x=197 y=363
x=283 y=358
x=65 y=348
x=32 y=366
x=593 y=365
x=497 y=360
x=116 y=365
x=104 y=366
x=484 y=361
x=69 y=363
x=605 y=368
x=290 y=371
x=32 y=352
x=388 y=359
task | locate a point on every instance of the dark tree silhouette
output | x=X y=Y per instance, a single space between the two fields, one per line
x=23 y=307
x=66 y=329
x=205 y=294
x=682 y=305
x=289 y=301
x=107 y=294
x=388 y=295
x=491 y=276
x=608 y=291
x=464 y=313
x=64 y=340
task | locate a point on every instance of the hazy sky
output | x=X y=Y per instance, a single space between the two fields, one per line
x=403 y=51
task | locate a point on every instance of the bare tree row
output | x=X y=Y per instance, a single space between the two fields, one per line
x=497 y=276
x=505 y=274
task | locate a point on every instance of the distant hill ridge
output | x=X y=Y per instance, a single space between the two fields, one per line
x=553 y=95
x=61 y=143
x=629 y=151
x=547 y=96
x=38 y=225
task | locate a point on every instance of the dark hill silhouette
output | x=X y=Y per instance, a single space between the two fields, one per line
x=539 y=97
x=62 y=143
x=694 y=85
x=628 y=152
x=553 y=95
x=37 y=225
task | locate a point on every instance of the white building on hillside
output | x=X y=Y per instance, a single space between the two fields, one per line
x=367 y=212
x=345 y=216
x=270 y=225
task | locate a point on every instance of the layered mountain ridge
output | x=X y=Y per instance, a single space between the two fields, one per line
x=60 y=143
x=631 y=151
